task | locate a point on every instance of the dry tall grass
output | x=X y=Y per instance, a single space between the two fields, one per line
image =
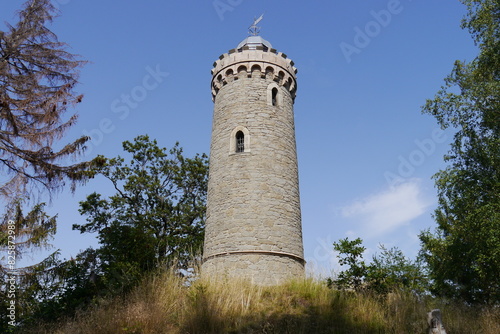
x=164 y=304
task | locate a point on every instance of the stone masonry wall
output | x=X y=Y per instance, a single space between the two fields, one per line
x=258 y=269
x=253 y=228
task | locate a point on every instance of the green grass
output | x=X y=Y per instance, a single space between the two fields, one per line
x=164 y=304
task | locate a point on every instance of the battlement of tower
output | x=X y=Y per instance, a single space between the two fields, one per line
x=259 y=62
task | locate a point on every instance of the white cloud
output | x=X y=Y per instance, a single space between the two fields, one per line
x=387 y=210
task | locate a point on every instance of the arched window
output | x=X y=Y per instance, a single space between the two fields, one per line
x=274 y=96
x=256 y=71
x=240 y=142
x=269 y=73
x=281 y=75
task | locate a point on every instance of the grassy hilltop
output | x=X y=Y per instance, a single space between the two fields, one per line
x=163 y=303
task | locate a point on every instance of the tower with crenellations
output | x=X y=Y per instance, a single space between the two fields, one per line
x=253 y=225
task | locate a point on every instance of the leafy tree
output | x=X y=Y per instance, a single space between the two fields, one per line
x=464 y=252
x=157 y=213
x=37 y=78
x=388 y=271
x=391 y=270
x=351 y=255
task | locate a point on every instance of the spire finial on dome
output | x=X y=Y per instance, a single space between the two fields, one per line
x=253 y=30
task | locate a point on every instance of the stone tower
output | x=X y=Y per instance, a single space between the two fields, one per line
x=253 y=226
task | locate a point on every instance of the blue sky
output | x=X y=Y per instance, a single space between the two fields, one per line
x=366 y=153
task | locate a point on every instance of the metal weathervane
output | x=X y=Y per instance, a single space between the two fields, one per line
x=253 y=29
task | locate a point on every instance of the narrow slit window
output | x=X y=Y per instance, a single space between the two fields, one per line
x=274 y=96
x=240 y=142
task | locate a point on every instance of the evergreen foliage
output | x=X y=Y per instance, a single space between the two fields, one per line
x=37 y=80
x=31 y=232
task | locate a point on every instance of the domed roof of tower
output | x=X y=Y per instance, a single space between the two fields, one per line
x=253 y=41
